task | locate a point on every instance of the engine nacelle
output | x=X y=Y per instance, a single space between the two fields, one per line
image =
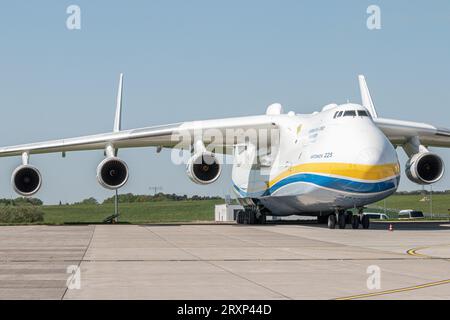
x=112 y=173
x=203 y=168
x=26 y=180
x=425 y=168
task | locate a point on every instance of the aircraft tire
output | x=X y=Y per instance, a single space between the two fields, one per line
x=355 y=222
x=261 y=219
x=331 y=221
x=240 y=217
x=348 y=217
x=251 y=215
x=342 y=220
x=365 y=221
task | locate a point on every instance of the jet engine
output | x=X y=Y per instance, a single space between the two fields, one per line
x=26 y=180
x=203 y=168
x=112 y=173
x=425 y=168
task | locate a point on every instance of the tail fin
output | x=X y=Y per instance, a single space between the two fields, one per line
x=118 y=118
x=365 y=97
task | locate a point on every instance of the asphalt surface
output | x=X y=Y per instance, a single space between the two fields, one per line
x=285 y=261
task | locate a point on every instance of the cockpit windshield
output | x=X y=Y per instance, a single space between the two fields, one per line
x=351 y=113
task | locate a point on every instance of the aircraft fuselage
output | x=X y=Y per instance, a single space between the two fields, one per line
x=331 y=160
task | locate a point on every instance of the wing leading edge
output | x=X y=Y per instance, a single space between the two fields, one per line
x=400 y=132
x=214 y=133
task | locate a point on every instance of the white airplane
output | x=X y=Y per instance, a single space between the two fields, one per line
x=320 y=164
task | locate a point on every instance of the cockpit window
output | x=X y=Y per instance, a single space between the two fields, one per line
x=335 y=115
x=362 y=113
x=339 y=114
x=350 y=113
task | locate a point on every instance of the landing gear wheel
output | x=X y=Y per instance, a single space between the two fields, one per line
x=341 y=220
x=355 y=222
x=240 y=217
x=331 y=221
x=261 y=219
x=251 y=217
x=365 y=221
x=348 y=217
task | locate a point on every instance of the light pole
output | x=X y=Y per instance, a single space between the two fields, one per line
x=116 y=206
x=115 y=217
x=155 y=189
x=431 y=200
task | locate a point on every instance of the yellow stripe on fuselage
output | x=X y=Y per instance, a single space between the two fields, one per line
x=350 y=170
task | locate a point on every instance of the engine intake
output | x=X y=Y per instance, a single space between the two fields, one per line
x=112 y=173
x=425 y=168
x=26 y=180
x=203 y=168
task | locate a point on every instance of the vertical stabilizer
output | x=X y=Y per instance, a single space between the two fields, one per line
x=365 y=97
x=118 y=117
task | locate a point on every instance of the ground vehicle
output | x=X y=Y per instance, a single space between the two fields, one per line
x=377 y=216
x=410 y=214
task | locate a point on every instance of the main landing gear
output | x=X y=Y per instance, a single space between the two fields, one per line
x=250 y=216
x=341 y=218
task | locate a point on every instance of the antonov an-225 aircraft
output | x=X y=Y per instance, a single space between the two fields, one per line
x=320 y=164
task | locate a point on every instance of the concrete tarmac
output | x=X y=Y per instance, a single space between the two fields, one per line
x=208 y=261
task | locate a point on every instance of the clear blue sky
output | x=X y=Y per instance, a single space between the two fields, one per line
x=186 y=60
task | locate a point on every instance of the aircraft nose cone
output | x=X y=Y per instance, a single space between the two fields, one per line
x=376 y=155
x=377 y=158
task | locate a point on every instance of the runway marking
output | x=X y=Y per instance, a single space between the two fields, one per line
x=386 y=292
x=411 y=252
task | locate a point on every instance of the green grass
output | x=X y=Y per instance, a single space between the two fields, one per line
x=147 y=212
x=203 y=210
x=395 y=203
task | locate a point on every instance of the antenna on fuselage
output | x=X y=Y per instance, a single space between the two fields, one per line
x=365 y=97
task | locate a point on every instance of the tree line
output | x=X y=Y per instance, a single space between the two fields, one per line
x=21 y=201
x=421 y=192
x=132 y=198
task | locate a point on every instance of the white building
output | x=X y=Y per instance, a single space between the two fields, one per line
x=226 y=212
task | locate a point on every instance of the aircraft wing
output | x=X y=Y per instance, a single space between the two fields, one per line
x=403 y=132
x=213 y=133
x=400 y=132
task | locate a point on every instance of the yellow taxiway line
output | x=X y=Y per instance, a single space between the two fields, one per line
x=381 y=293
x=411 y=252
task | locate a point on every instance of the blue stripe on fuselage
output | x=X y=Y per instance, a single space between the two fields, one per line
x=335 y=183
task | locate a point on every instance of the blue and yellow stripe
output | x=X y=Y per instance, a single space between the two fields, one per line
x=354 y=178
